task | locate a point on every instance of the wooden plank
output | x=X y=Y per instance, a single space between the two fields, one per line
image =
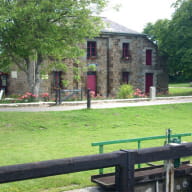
x=163 y=153
x=142 y=175
x=55 y=167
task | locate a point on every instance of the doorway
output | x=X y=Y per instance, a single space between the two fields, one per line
x=148 y=82
x=92 y=81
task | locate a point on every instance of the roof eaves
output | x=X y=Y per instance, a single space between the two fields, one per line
x=122 y=33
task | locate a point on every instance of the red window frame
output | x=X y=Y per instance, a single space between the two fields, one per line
x=91 y=49
x=125 y=50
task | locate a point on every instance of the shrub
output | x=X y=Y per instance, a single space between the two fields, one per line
x=45 y=96
x=138 y=93
x=28 y=97
x=125 y=91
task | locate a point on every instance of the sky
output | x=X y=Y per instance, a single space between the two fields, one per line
x=135 y=14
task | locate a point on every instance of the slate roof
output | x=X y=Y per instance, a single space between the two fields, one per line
x=113 y=27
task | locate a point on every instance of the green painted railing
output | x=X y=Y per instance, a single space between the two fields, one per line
x=138 y=140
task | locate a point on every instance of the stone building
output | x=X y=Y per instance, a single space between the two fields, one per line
x=119 y=55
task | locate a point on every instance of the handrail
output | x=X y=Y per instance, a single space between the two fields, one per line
x=138 y=140
x=123 y=160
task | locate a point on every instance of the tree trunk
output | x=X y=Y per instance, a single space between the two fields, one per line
x=36 y=86
x=33 y=75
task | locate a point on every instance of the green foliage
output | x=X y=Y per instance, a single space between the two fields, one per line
x=174 y=39
x=65 y=83
x=158 y=33
x=32 y=32
x=92 y=68
x=125 y=91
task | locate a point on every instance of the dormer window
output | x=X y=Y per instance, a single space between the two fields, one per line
x=126 y=52
x=91 y=49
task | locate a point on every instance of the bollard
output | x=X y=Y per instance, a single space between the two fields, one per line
x=58 y=96
x=1 y=93
x=152 y=93
x=88 y=99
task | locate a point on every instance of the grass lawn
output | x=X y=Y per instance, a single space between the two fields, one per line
x=30 y=137
x=180 y=85
x=180 y=89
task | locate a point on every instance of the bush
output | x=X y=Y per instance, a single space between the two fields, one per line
x=125 y=91
x=45 y=96
x=28 y=97
x=138 y=93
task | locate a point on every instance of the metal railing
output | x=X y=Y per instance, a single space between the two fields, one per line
x=137 y=140
x=59 y=98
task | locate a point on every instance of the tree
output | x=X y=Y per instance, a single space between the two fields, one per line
x=33 y=31
x=174 y=40
x=158 y=33
x=181 y=41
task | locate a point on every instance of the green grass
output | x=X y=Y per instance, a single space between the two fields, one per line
x=180 y=85
x=30 y=137
x=180 y=89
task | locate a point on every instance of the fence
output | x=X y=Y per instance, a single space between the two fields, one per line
x=137 y=140
x=123 y=160
x=59 y=98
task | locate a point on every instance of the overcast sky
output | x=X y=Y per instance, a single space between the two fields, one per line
x=135 y=14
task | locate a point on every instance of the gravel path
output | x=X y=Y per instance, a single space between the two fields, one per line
x=95 y=105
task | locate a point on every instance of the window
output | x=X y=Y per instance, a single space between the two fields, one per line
x=125 y=77
x=126 y=52
x=148 y=57
x=91 y=49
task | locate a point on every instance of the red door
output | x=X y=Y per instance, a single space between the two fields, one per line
x=148 y=82
x=92 y=81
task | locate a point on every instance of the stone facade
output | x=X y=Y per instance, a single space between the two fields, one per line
x=111 y=68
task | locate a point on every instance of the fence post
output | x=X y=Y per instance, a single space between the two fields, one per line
x=100 y=152
x=59 y=96
x=124 y=178
x=88 y=99
x=169 y=187
x=81 y=94
x=56 y=96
